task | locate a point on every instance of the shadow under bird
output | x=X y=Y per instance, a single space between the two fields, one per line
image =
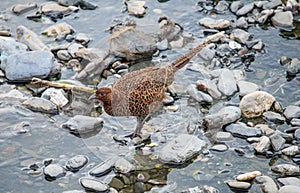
x=140 y=93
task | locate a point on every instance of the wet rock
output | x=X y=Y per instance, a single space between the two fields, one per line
x=29 y=38
x=136 y=8
x=207 y=54
x=289 y=181
x=63 y=55
x=40 y=105
x=10 y=46
x=181 y=149
x=248 y=176
x=263 y=145
x=209 y=86
x=123 y=166
x=133 y=44
x=240 y=36
x=57 y=96
x=246 y=87
x=23 y=8
x=227 y=82
x=292 y=112
x=214 y=23
x=242 y=23
x=235 y=6
x=75 y=163
x=54 y=171
x=295 y=122
x=224 y=136
x=199 y=96
x=274 y=117
x=294 y=67
x=202 y=189
x=59 y=29
x=24 y=66
x=82 y=38
x=102 y=168
x=265 y=129
x=245 y=9
x=291 y=151
x=51 y=7
x=283 y=19
x=93 y=185
x=243 y=131
x=238 y=185
x=272 y=4
x=14 y=95
x=163 y=45
x=254 y=104
x=267 y=184
x=289 y=189
x=286 y=169
x=80 y=124
x=277 y=141
x=219 y=147
x=223 y=117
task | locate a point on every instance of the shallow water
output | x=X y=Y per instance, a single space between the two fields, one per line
x=46 y=138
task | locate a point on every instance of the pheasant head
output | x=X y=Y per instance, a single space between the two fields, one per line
x=104 y=94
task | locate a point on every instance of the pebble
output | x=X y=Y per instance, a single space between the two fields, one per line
x=292 y=111
x=240 y=36
x=283 y=19
x=14 y=95
x=136 y=8
x=277 y=141
x=238 y=185
x=263 y=145
x=82 y=38
x=242 y=131
x=265 y=129
x=242 y=23
x=50 y=7
x=123 y=166
x=181 y=149
x=57 y=96
x=75 y=163
x=235 y=6
x=80 y=124
x=289 y=189
x=272 y=4
x=211 y=23
x=227 y=83
x=10 y=46
x=267 y=184
x=219 y=148
x=224 y=136
x=246 y=87
x=63 y=55
x=294 y=67
x=40 y=105
x=93 y=185
x=199 y=96
x=274 y=117
x=245 y=9
x=54 y=171
x=59 y=29
x=286 y=169
x=102 y=168
x=23 y=8
x=289 y=181
x=248 y=176
x=291 y=151
x=254 y=104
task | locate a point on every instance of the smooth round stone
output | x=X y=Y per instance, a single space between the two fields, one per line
x=267 y=184
x=77 y=162
x=54 y=171
x=214 y=23
x=219 y=147
x=248 y=176
x=239 y=185
x=102 y=169
x=93 y=185
x=235 y=6
x=245 y=9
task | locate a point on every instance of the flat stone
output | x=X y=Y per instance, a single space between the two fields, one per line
x=238 y=185
x=289 y=189
x=224 y=136
x=283 y=19
x=40 y=105
x=51 y=7
x=263 y=145
x=123 y=166
x=211 y=23
x=274 y=117
x=82 y=38
x=227 y=83
x=242 y=131
x=277 y=141
x=265 y=129
x=58 y=29
x=242 y=23
x=267 y=184
x=93 y=185
x=57 y=96
x=219 y=147
x=248 y=176
x=14 y=95
x=254 y=104
x=181 y=149
x=286 y=169
x=272 y=4
x=54 y=171
x=246 y=87
x=240 y=36
x=102 y=169
x=23 y=8
x=292 y=112
x=245 y=9
x=235 y=6
x=10 y=46
x=289 y=181
x=291 y=151
x=136 y=8
x=75 y=163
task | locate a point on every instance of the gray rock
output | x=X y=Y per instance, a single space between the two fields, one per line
x=246 y=87
x=75 y=163
x=242 y=23
x=24 y=66
x=53 y=7
x=102 y=168
x=235 y=6
x=254 y=104
x=224 y=136
x=63 y=55
x=289 y=189
x=295 y=122
x=265 y=16
x=227 y=83
x=283 y=19
x=209 y=86
x=123 y=166
x=272 y=4
x=214 y=23
x=222 y=6
x=258 y=46
x=267 y=184
x=82 y=38
x=93 y=185
x=59 y=29
x=57 y=96
x=263 y=145
x=291 y=151
x=207 y=54
x=163 y=45
x=277 y=141
x=136 y=8
x=10 y=46
x=297 y=134
x=202 y=189
x=14 y=95
x=289 y=181
x=22 y=8
x=240 y=35
x=265 y=129
x=199 y=96
x=40 y=105
x=292 y=112
x=245 y=9
x=29 y=38
x=294 y=67
x=239 y=185
x=286 y=169
x=219 y=147
x=54 y=171
x=69 y=2
x=81 y=124
x=274 y=117
x=243 y=131
x=169 y=29
x=181 y=149
x=223 y=117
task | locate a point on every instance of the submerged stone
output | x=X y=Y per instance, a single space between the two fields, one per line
x=93 y=185
x=243 y=131
x=54 y=171
x=40 y=105
x=77 y=162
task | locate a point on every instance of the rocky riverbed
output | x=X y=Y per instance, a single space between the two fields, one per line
x=230 y=123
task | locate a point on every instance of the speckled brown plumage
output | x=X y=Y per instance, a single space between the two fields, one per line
x=140 y=93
